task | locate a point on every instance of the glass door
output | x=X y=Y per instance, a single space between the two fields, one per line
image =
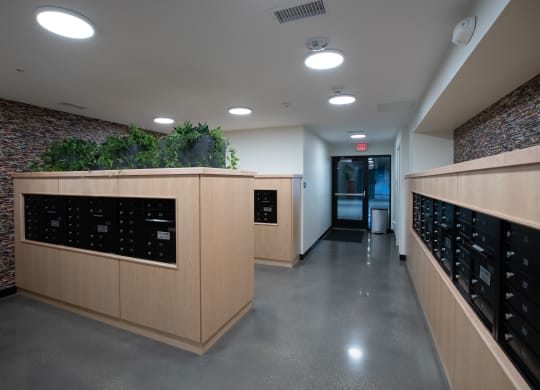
x=359 y=184
x=349 y=207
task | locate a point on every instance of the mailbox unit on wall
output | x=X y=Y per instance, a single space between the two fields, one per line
x=187 y=299
x=494 y=205
x=277 y=242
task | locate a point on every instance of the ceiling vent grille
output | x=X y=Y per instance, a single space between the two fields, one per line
x=300 y=11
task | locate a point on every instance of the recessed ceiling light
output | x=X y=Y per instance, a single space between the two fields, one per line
x=357 y=136
x=240 y=110
x=324 y=59
x=64 y=22
x=163 y=121
x=342 y=99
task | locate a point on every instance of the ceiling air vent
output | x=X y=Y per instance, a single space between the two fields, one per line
x=300 y=11
x=71 y=105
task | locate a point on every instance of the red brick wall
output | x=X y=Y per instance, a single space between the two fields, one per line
x=25 y=132
x=511 y=123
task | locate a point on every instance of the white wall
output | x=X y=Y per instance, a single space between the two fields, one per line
x=316 y=196
x=400 y=189
x=292 y=150
x=486 y=12
x=428 y=151
x=375 y=148
x=271 y=150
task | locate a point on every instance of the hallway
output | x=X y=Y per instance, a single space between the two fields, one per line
x=345 y=318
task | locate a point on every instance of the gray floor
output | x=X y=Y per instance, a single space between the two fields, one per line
x=346 y=318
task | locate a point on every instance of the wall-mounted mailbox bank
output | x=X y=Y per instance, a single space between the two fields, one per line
x=266 y=206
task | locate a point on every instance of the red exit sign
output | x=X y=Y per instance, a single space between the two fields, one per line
x=361 y=147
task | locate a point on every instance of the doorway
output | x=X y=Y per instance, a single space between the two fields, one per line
x=359 y=184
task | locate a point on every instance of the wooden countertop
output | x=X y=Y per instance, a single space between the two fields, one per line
x=508 y=159
x=138 y=172
x=279 y=176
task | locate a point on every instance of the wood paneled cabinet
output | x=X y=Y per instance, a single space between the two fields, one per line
x=189 y=304
x=278 y=242
x=471 y=357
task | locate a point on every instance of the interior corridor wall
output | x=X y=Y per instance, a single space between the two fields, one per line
x=399 y=189
x=269 y=151
x=292 y=150
x=428 y=151
x=316 y=195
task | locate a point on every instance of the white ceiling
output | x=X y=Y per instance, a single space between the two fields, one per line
x=191 y=60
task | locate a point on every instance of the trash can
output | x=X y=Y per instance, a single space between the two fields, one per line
x=379 y=220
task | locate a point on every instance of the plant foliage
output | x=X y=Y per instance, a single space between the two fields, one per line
x=187 y=145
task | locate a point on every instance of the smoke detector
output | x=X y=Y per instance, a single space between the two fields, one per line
x=464 y=31
x=320 y=57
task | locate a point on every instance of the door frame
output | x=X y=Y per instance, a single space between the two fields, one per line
x=365 y=207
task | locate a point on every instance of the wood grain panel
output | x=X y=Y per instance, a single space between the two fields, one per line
x=444 y=187
x=91 y=282
x=475 y=367
x=227 y=250
x=37 y=269
x=36 y=186
x=95 y=186
x=165 y=299
x=510 y=191
x=297 y=217
x=276 y=241
x=150 y=186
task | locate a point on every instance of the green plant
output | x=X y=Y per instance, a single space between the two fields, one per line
x=187 y=145
x=136 y=150
x=71 y=154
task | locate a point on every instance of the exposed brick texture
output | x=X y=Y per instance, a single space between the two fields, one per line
x=511 y=123
x=25 y=132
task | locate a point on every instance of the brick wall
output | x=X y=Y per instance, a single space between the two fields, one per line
x=511 y=123
x=25 y=132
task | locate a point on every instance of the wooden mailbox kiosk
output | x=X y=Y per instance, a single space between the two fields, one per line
x=277 y=232
x=189 y=301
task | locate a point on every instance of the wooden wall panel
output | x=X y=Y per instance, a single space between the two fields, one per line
x=173 y=304
x=91 y=282
x=95 y=186
x=297 y=216
x=227 y=249
x=150 y=186
x=47 y=185
x=475 y=366
x=509 y=191
x=276 y=241
x=37 y=269
x=444 y=187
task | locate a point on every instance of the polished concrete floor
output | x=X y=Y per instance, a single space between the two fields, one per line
x=346 y=318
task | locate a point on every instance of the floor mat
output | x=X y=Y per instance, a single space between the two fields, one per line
x=345 y=235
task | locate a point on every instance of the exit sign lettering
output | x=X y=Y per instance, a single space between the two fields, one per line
x=361 y=147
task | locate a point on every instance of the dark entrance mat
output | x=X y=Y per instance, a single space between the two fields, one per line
x=345 y=235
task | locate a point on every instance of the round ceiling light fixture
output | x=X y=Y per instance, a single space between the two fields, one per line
x=358 y=136
x=163 y=121
x=342 y=99
x=321 y=58
x=64 y=22
x=240 y=111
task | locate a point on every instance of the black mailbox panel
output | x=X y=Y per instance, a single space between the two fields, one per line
x=266 y=206
x=135 y=227
x=495 y=264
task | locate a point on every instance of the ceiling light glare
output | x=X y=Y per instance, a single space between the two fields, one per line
x=240 y=111
x=355 y=353
x=358 y=136
x=324 y=59
x=64 y=22
x=163 y=121
x=342 y=99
